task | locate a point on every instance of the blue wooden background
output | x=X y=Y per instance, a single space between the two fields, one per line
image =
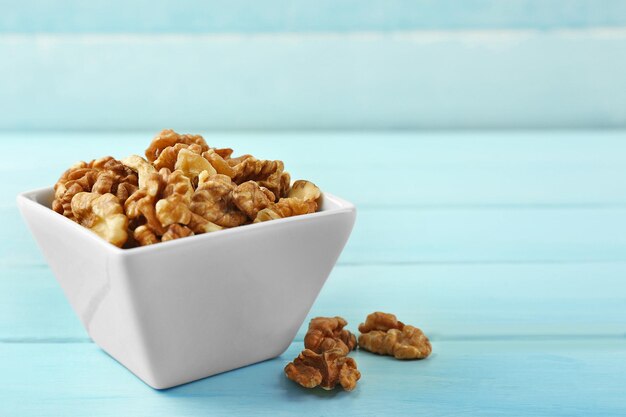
x=286 y=64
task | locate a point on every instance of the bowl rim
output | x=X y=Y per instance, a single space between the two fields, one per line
x=29 y=198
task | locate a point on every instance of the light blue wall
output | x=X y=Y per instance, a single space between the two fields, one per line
x=285 y=64
x=252 y=16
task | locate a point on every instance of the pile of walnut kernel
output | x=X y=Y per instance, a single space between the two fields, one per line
x=183 y=187
x=325 y=363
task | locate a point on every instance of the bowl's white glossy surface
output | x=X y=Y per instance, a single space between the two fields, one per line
x=186 y=309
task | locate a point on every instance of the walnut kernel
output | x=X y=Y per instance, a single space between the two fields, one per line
x=102 y=214
x=168 y=137
x=304 y=190
x=327 y=333
x=380 y=321
x=176 y=231
x=382 y=333
x=143 y=168
x=286 y=207
x=325 y=370
x=212 y=201
x=167 y=158
x=250 y=198
x=192 y=164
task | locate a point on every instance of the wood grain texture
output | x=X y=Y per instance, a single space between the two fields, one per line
x=549 y=378
x=506 y=248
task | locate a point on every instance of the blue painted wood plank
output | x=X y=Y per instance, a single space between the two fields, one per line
x=457 y=79
x=548 y=378
x=516 y=235
x=450 y=302
x=413 y=235
x=249 y=16
x=490 y=301
x=33 y=308
x=493 y=169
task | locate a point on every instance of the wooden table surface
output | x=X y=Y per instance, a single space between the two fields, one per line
x=507 y=248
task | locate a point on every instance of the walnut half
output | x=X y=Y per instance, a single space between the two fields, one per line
x=327 y=333
x=302 y=198
x=325 y=370
x=102 y=214
x=382 y=333
x=251 y=198
x=167 y=138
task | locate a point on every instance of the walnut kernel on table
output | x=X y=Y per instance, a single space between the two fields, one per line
x=328 y=333
x=382 y=333
x=380 y=321
x=325 y=370
x=324 y=360
x=185 y=187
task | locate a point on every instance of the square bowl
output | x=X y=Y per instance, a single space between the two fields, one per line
x=185 y=309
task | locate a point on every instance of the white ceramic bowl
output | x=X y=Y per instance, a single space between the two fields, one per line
x=189 y=308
